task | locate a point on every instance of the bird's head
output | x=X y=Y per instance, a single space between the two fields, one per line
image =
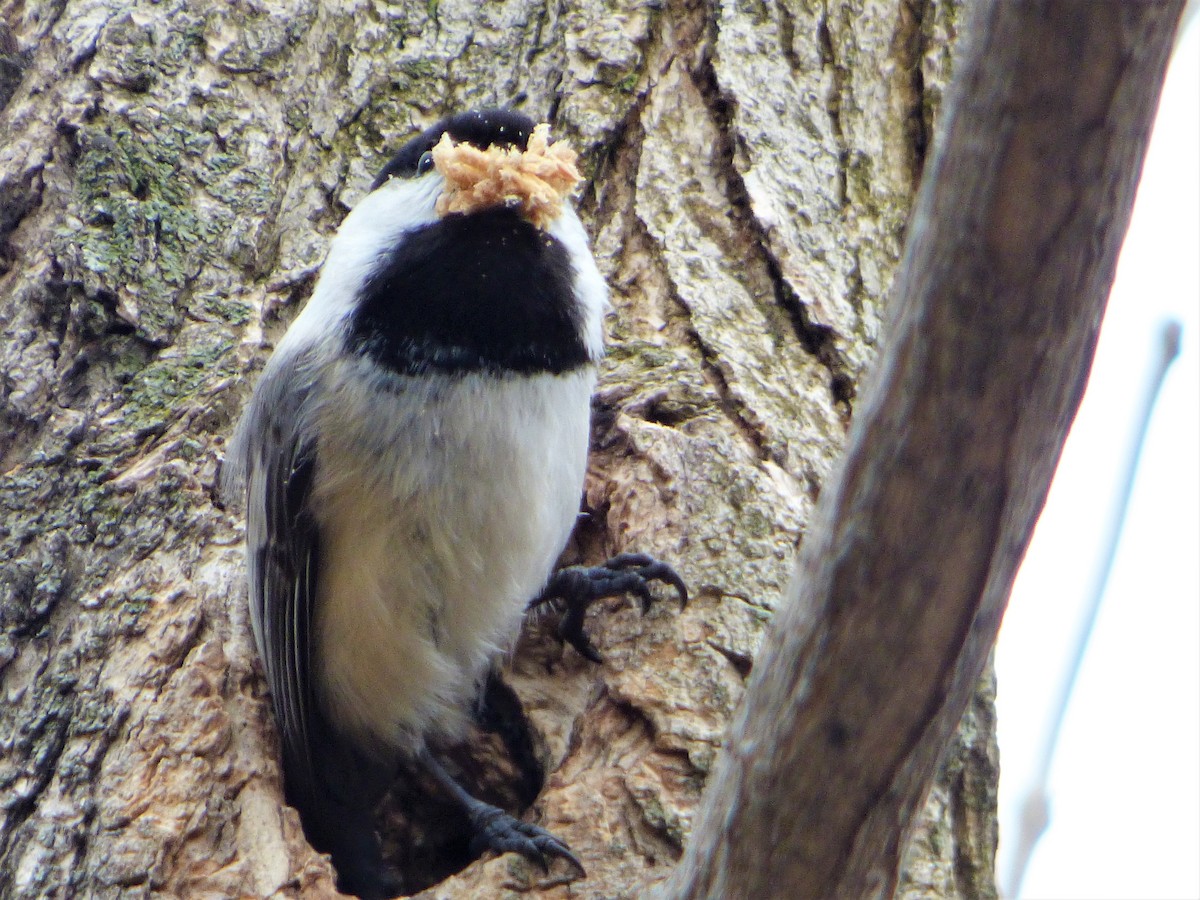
x=487 y=158
x=466 y=253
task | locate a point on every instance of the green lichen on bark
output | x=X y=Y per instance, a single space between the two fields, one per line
x=138 y=230
x=171 y=383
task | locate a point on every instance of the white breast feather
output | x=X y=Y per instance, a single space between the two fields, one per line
x=440 y=518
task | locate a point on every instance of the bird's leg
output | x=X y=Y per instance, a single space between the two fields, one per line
x=494 y=829
x=578 y=587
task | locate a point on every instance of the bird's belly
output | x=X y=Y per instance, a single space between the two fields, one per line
x=439 y=519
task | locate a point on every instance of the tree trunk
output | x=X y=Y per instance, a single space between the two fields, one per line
x=170 y=175
x=910 y=560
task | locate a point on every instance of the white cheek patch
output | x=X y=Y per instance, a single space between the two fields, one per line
x=591 y=292
x=370 y=233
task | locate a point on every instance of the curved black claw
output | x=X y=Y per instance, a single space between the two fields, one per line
x=581 y=586
x=647 y=569
x=494 y=829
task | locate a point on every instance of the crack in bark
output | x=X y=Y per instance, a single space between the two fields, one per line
x=742 y=663
x=817 y=340
x=628 y=140
x=909 y=48
x=524 y=61
x=660 y=828
x=637 y=717
x=921 y=115
x=833 y=102
x=787 y=36
x=732 y=407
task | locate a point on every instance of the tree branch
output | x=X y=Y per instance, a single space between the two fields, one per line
x=905 y=574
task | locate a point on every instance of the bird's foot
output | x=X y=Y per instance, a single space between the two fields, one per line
x=578 y=587
x=494 y=829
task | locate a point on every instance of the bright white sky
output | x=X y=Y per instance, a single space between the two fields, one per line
x=1125 y=785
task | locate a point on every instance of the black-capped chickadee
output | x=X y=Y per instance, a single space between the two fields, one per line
x=412 y=462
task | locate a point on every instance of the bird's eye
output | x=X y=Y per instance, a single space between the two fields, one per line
x=425 y=163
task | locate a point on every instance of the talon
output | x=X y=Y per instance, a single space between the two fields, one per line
x=497 y=830
x=649 y=569
x=579 y=587
x=660 y=571
x=643 y=592
x=536 y=855
x=570 y=629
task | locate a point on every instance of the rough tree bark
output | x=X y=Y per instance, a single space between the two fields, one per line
x=170 y=175
x=907 y=568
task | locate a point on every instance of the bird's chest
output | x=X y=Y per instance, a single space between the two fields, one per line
x=442 y=505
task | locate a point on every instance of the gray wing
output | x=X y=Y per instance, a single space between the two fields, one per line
x=283 y=554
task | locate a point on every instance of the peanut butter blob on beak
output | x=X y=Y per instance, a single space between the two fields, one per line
x=534 y=181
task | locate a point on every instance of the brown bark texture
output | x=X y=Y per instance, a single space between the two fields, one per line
x=907 y=567
x=171 y=172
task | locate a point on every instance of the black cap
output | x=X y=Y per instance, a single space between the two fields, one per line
x=482 y=128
